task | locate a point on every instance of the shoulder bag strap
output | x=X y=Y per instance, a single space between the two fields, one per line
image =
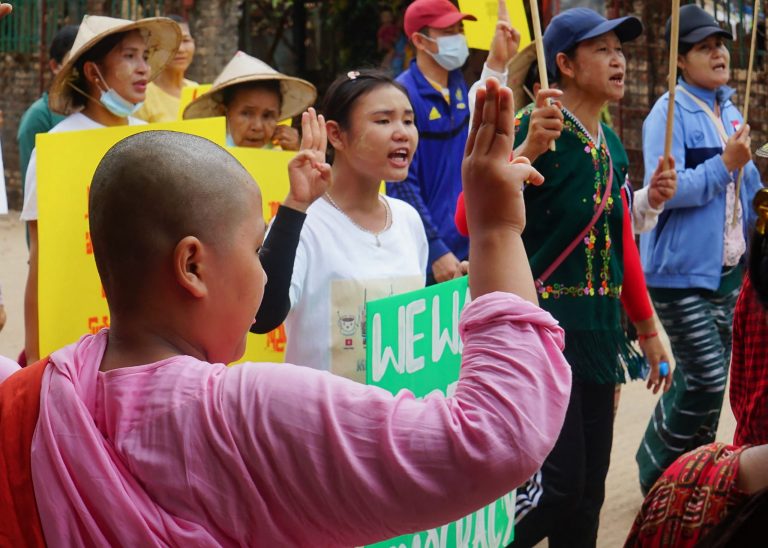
x=709 y=112
x=568 y=250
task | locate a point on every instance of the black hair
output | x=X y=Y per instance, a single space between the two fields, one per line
x=556 y=76
x=62 y=42
x=684 y=47
x=273 y=86
x=95 y=55
x=344 y=92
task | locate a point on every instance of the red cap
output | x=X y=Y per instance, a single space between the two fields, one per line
x=432 y=13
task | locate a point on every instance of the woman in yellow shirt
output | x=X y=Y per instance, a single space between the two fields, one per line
x=164 y=93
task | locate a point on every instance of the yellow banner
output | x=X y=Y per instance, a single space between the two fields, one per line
x=70 y=296
x=480 y=32
x=189 y=94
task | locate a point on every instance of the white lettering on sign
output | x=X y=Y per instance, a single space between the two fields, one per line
x=442 y=337
x=437 y=538
x=412 y=362
x=494 y=536
x=480 y=540
x=462 y=538
x=381 y=361
x=405 y=358
x=508 y=502
x=476 y=530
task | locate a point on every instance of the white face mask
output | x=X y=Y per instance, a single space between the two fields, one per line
x=452 y=51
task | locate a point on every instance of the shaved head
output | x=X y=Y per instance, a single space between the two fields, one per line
x=153 y=189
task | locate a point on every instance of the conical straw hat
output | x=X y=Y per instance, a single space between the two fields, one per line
x=517 y=70
x=163 y=37
x=297 y=94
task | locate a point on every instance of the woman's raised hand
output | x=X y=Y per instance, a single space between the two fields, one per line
x=308 y=172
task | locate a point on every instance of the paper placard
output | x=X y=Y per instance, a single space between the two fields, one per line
x=189 y=94
x=479 y=33
x=71 y=300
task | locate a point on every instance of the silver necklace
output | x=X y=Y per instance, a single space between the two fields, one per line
x=387 y=220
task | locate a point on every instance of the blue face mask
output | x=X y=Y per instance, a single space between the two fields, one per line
x=452 y=51
x=116 y=103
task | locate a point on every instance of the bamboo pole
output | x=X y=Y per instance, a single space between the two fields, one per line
x=745 y=112
x=540 y=59
x=673 y=42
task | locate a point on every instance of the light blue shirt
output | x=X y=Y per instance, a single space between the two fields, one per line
x=685 y=249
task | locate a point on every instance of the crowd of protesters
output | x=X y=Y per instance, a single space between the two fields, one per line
x=141 y=435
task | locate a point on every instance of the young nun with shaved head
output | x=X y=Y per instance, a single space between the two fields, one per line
x=141 y=436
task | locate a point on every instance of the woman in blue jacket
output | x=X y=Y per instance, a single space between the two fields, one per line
x=692 y=259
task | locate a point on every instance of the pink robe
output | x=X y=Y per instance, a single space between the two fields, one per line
x=187 y=453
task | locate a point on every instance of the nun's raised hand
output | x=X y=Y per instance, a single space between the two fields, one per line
x=493 y=196
x=493 y=187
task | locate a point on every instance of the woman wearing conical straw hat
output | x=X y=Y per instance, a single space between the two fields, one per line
x=101 y=84
x=254 y=97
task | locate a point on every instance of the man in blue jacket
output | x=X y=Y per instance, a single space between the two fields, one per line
x=439 y=96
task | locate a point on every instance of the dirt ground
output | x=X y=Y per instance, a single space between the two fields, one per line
x=622 y=491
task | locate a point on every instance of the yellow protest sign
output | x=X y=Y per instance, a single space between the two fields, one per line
x=71 y=299
x=480 y=32
x=270 y=170
x=189 y=94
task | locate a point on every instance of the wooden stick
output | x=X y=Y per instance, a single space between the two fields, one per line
x=745 y=112
x=540 y=59
x=673 y=42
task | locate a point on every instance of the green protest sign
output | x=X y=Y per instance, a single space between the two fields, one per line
x=413 y=343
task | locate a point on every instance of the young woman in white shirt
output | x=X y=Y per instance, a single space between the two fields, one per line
x=354 y=244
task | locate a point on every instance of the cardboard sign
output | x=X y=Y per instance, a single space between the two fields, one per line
x=71 y=299
x=479 y=33
x=189 y=94
x=414 y=344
